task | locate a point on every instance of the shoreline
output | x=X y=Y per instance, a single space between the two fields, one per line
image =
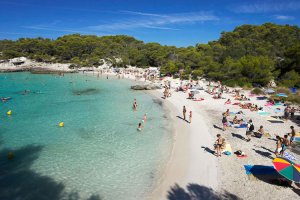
x=185 y=165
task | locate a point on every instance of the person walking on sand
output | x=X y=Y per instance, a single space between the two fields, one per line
x=250 y=129
x=284 y=145
x=184 y=113
x=134 y=105
x=278 y=145
x=191 y=115
x=292 y=134
x=218 y=145
x=224 y=121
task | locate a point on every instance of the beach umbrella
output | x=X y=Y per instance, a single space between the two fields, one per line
x=287 y=168
x=281 y=95
x=269 y=91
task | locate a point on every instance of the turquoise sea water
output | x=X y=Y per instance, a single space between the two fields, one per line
x=99 y=154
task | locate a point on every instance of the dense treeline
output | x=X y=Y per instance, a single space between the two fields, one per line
x=247 y=55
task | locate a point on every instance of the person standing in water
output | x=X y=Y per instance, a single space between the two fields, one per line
x=134 y=105
x=184 y=113
x=145 y=118
x=191 y=114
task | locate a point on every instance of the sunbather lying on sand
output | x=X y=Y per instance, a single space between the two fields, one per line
x=228 y=101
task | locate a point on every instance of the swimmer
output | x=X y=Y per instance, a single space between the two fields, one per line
x=139 y=127
x=145 y=117
x=134 y=105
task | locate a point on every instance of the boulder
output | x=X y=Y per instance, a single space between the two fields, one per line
x=145 y=87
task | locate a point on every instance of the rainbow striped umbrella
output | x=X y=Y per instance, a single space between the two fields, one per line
x=288 y=169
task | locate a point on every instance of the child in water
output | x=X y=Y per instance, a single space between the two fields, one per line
x=139 y=127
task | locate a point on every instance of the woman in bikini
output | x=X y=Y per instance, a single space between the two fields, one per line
x=219 y=143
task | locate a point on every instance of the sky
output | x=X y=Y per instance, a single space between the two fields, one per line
x=168 y=22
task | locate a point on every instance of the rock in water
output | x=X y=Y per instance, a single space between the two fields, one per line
x=145 y=87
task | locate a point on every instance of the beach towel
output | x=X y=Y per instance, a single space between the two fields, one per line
x=260 y=170
x=199 y=99
x=269 y=104
x=242 y=156
x=296 y=139
x=289 y=156
x=267 y=135
x=227 y=149
x=241 y=126
x=261 y=98
x=274 y=120
x=261 y=112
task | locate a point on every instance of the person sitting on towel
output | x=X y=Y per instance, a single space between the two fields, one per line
x=260 y=132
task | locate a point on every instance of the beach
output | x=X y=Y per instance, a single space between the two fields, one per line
x=192 y=170
x=192 y=160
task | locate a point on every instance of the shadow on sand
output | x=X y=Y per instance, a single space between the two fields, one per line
x=207 y=149
x=181 y=118
x=217 y=127
x=18 y=181
x=198 y=192
x=264 y=153
x=238 y=136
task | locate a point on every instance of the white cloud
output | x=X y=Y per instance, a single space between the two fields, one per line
x=62 y=30
x=269 y=6
x=158 y=21
x=284 y=17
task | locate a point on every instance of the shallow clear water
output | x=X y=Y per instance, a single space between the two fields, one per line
x=99 y=152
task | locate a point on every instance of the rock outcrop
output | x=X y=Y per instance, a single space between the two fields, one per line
x=145 y=87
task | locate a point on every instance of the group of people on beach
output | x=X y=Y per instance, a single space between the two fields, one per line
x=289 y=112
